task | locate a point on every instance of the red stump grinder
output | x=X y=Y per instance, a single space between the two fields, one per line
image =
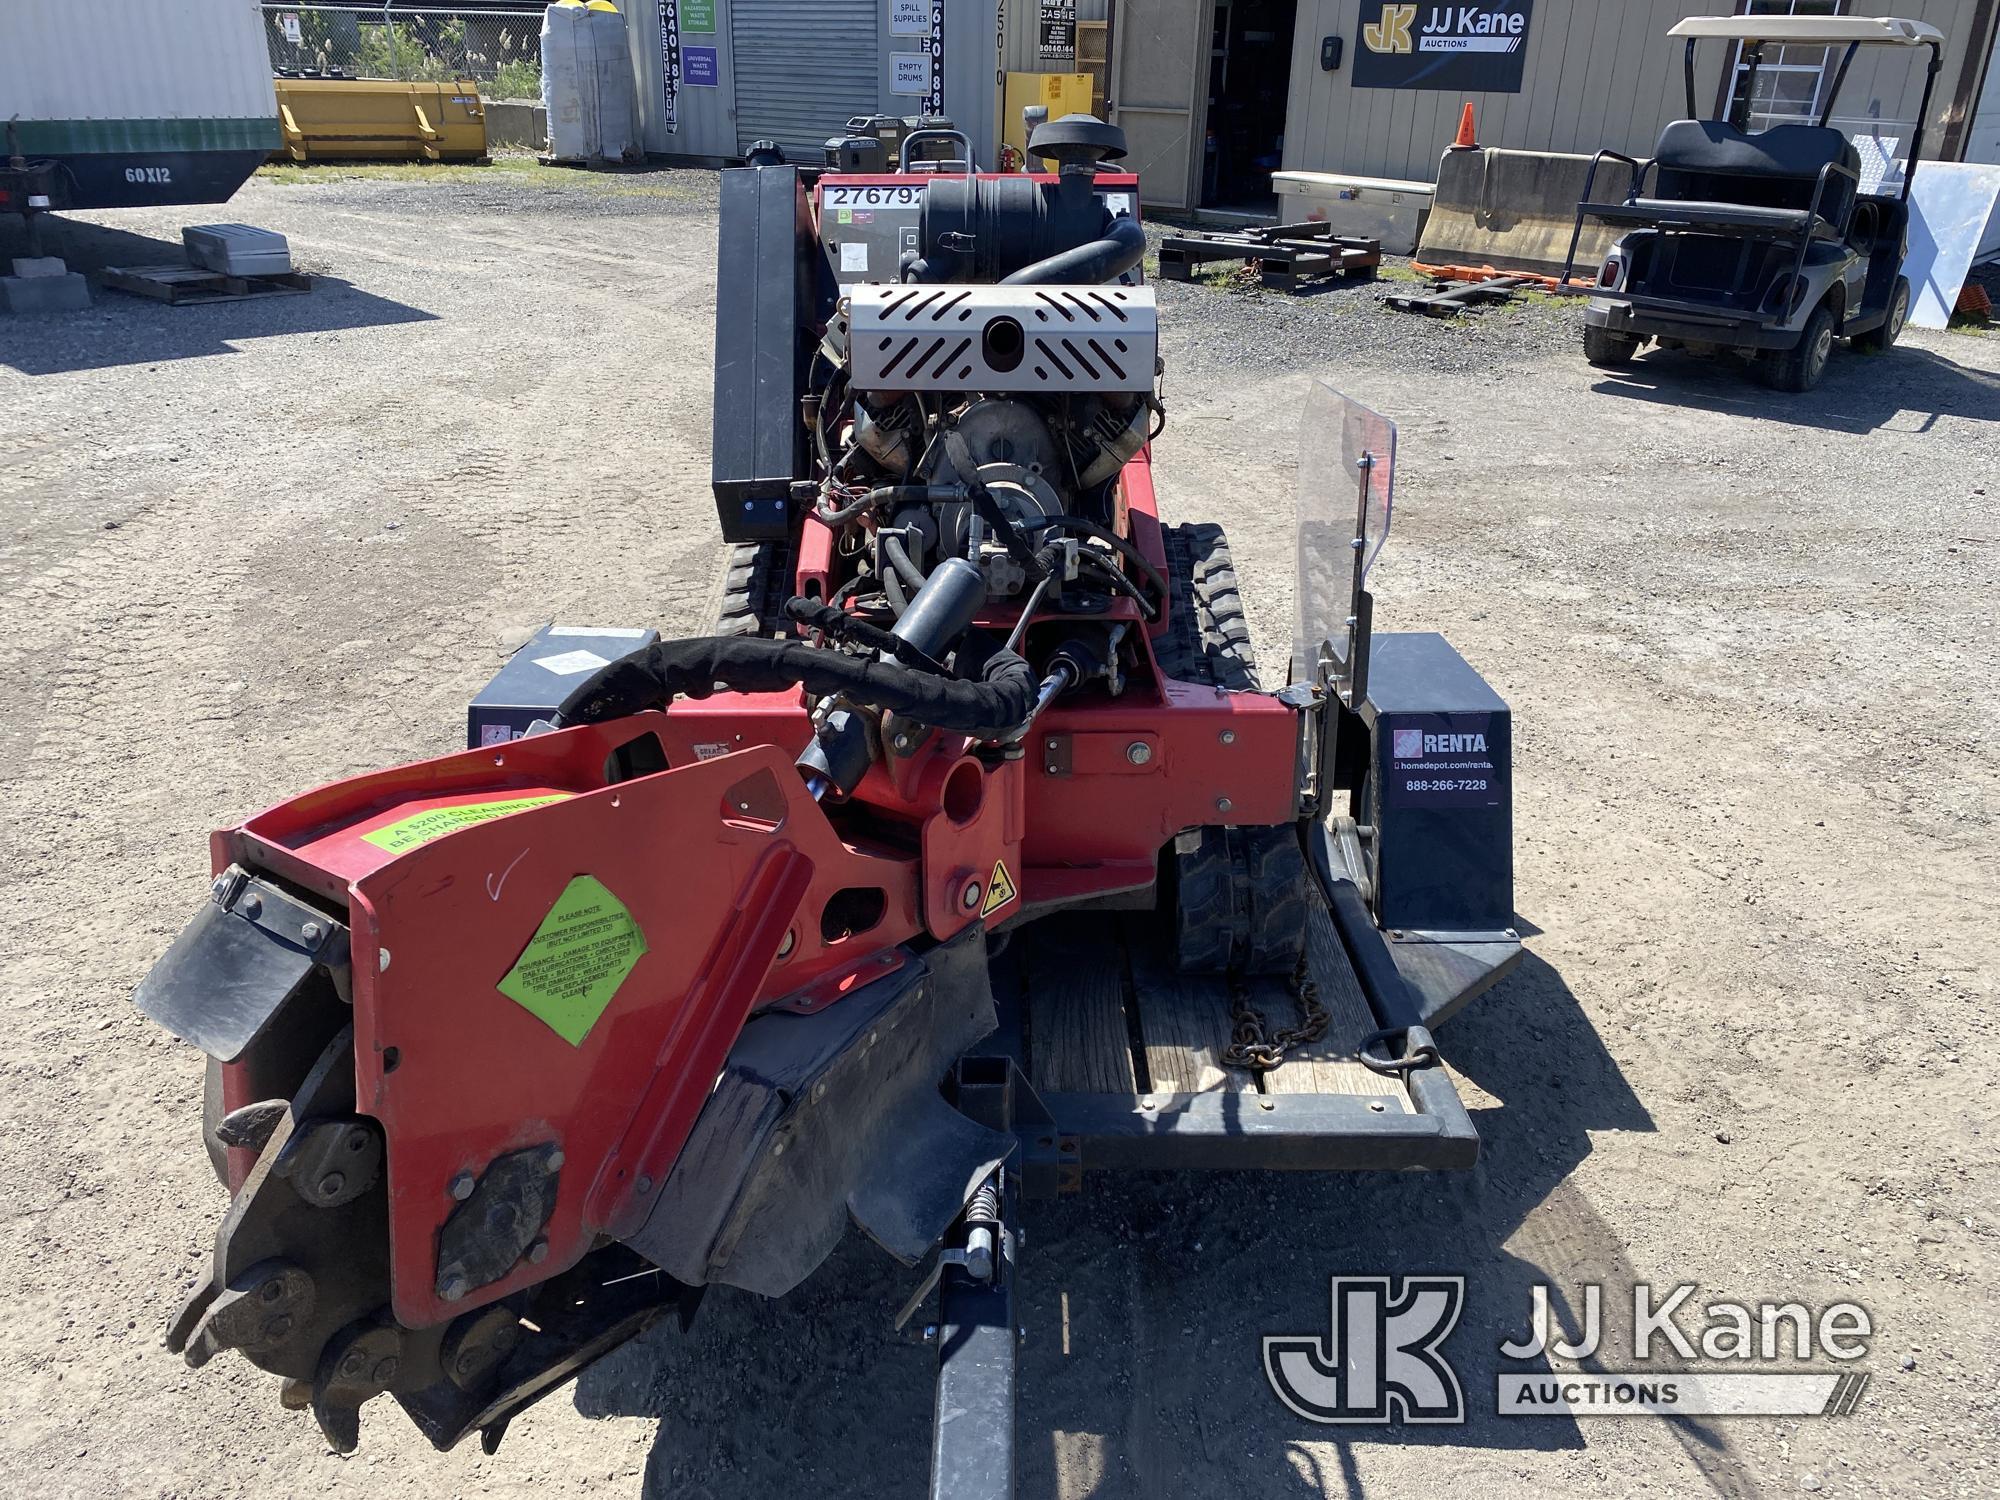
x=966 y=857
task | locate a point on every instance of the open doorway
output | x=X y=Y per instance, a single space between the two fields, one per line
x=1249 y=75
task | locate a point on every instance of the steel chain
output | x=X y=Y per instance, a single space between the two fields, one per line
x=1249 y=1047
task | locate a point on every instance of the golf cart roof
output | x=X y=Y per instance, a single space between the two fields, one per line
x=1826 y=30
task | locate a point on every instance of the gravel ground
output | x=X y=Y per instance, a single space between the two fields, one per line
x=1748 y=643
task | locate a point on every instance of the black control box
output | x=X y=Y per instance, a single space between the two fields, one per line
x=1440 y=790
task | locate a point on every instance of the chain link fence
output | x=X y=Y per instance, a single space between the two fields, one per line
x=501 y=50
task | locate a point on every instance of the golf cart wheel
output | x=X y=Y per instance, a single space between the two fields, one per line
x=1876 y=339
x=1799 y=368
x=1606 y=348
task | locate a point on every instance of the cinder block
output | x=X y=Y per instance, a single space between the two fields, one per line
x=68 y=292
x=40 y=265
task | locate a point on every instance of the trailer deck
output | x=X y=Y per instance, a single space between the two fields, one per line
x=1115 y=1018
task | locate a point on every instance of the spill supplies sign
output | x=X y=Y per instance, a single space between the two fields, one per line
x=1467 y=49
x=582 y=951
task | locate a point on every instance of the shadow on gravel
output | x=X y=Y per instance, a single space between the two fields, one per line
x=1905 y=389
x=1144 y=1300
x=123 y=329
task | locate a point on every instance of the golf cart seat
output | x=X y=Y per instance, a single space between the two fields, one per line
x=1709 y=214
x=1788 y=179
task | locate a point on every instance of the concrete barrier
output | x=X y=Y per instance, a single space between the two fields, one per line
x=516 y=124
x=1514 y=210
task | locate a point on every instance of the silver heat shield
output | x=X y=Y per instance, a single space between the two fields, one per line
x=1003 y=338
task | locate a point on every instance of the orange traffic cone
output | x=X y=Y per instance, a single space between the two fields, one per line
x=1466 y=139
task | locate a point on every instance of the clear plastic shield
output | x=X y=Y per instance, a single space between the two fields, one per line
x=1347 y=465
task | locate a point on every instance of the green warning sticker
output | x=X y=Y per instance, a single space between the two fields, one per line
x=406 y=834
x=576 y=960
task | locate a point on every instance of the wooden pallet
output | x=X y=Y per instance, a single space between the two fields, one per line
x=1107 y=1013
x=180 y=285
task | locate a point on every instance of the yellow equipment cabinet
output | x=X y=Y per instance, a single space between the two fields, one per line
x=371 y=119
x=1061 y=93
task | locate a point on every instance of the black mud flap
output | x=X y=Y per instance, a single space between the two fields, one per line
x=234 y=967
x=820 y=1118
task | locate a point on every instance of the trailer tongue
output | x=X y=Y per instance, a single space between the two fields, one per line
x=971 y=858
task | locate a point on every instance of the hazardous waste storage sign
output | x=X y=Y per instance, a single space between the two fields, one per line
x=1468 y=49
x=582 y=951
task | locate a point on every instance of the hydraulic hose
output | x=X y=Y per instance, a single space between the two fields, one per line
x=898 y=557
x=656 y=675
x=888 y=497
x=1111 y=574
x=1118 y=544
x=1123 y=247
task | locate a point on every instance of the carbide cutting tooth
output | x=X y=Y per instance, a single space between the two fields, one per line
x=182 y=1328
x=361 y=1361
x=261 y=1308
x=250 y=1126
x=341 y=1424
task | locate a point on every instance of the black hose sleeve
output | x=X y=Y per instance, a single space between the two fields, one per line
x=656 y=675
x=1123 y=247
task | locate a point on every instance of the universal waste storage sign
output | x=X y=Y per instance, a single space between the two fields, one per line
x=1467 y=49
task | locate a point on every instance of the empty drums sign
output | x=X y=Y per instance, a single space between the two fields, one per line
x=1469 y=49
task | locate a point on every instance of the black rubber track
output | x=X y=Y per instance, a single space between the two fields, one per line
x=1208 y=639
x=1239 y=894
x=756 y=582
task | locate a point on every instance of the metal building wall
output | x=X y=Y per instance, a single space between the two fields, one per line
x=1983 y=140
x=1886 y=83
x=1599 y=73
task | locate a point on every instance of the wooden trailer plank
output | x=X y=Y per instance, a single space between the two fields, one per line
x=1183 y=1018
x=1328 y=1066
x=1079 y=1042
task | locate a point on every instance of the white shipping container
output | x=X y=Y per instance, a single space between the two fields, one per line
x=139 y=101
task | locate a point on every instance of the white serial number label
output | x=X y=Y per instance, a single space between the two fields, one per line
x=856 y=195
x=149 y=174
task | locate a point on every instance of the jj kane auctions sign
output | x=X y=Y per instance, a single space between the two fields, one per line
x=1469 y=49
